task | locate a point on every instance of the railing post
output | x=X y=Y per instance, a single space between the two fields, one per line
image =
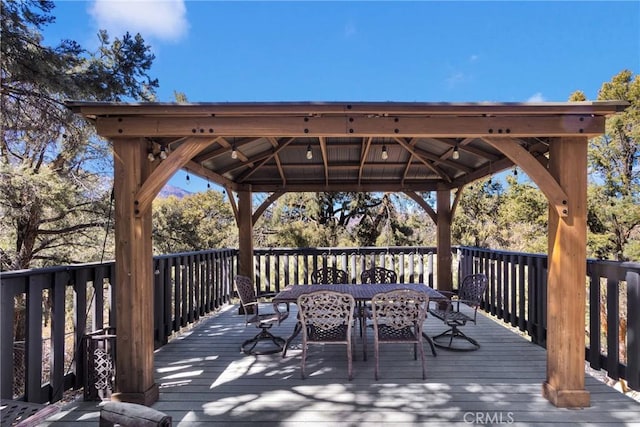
x=633 y=324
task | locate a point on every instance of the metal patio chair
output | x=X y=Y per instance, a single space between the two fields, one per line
x=460 y=308
x=326 y=318
x=378 y=275
x=262 y=320
x=329 y=276
x=397 y=319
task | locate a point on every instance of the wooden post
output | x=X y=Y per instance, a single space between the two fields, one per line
x=566 y=294
x=134 y=275
x=245 y=234
x=444 y=240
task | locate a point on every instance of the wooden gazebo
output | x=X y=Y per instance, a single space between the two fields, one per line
x=366 y=147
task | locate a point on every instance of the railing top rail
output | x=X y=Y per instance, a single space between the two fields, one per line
x=332 y=250
x=90 y=265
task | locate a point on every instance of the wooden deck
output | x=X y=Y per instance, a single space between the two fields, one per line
x=204 y=381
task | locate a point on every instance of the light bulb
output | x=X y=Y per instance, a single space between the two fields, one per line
x=456 y=154
x=309 y=153
x=163 y=153
x=385 y=155
x=234 y=153
x=151 y=157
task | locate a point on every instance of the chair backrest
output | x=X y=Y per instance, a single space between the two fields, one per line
x=400 y=308
x=329 y=276
x=379 y=275
x=246 y=291
x=472 y=289
x=326 y=310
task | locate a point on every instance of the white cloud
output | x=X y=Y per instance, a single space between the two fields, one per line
x=536 y=97
x=474 y=58
x=160 y=19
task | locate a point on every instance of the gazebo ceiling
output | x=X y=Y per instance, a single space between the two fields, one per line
x=428 y=146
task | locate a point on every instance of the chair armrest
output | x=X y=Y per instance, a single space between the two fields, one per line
x=472 y=304
x=448 y=294
x=278 y=305
x=250 y=304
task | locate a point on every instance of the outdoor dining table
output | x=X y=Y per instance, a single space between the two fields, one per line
x=362 y=293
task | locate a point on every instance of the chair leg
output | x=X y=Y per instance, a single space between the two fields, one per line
x=304 y=358
x=350 y=361
x=452 y=333
x=363 y=328
x=264 y=335
x=424 y=370
x=376 y=351
x=430 y=341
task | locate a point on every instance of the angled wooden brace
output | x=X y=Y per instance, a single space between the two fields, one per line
x=161 y=175
x=536 y=171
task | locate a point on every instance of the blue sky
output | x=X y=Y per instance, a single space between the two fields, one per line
x=426 y=51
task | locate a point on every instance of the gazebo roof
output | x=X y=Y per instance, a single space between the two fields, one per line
x=347 y=141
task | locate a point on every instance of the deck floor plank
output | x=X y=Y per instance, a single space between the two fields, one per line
x=205 y=380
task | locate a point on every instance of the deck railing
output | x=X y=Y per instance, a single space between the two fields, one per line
x=61 y=305
x=278 y=267
x=517 y=295
x=51 y=310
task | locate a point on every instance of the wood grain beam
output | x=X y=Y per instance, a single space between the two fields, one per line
x=325 y=157
x=264 y=205
x=423 y=204
x=366 y=146
x=204 y=173
x=351 y=186
x=410 y=148
x=538 y=174
x=263 y=158
x=350 y=125
x=407 y=167
x=566 y=290
x=234 y=204
x=276 y=145
x=161 y=175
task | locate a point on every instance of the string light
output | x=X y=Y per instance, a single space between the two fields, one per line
x=456 y=154
x=151 y=157
x=309 y=152
x=385 y=155
x=163 y=153
x=234 y=152
x=188 y=178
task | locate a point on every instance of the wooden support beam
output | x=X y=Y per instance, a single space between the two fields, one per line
x=424 y=205
x=325 y=158
x=367 y=187
x=557 y=197
x=245 y=234
x=263 y=158
x=160 y=176
x=444 y=278
x=364 y=151
x=134 y=275
x=352 y=125
x=234 y=205
x=204 y=173
x=566 y=290
x=410 y=147
x=263 y=207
